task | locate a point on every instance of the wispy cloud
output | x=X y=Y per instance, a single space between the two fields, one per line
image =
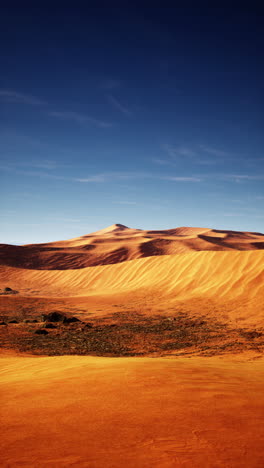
x=44 y=164
x=184 y=152
x=232 y=215
x=42 y=174
x=243 y=177
x=14 y=170
x=65 y=220
x=112 y=176
x=194 y=153
x=174 y=151
x=162 y=162
x=15 y=97
x=19 y=98
x=94 y=178
x=106 y=177
x=125 y=203
x=214 y=151
x=35 y=164
x=79 y=118
x=115 y=103
x=182 y=179
x=110 y=84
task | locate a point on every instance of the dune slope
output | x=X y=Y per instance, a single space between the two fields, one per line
x=117 y=243
x=225 y=274
x=232 y=282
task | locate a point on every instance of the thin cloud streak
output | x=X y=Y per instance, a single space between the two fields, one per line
x=174 y=152
x=102 y=177
x=13 y=170
x=42 y=174
x=15 y=97
x=121 y=176
x=19 y=98
x=241 y=177
x=125 y=203
x=182 y=179
x=162 y=162
x=110 y=84
x=79 y=118
x=115 y=103
x=108 y=176
x=183 y=152
x=214 y=151
x=166 y=162
x=39 y=164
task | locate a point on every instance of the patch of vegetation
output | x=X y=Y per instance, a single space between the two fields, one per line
x=126 y=333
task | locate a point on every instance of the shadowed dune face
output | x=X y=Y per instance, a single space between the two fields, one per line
x=119 y=243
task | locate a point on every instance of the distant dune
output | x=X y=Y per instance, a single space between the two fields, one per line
x=196 y=267
x=118 y=243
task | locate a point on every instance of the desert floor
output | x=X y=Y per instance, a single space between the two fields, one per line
x=135 y=412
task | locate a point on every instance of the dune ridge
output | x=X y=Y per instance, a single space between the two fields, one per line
x=225 y=274
x=118 y=243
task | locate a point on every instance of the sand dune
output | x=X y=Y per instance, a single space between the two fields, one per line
x=117 y=243
x=193 y=266
x=230 y=282
x=225 y=274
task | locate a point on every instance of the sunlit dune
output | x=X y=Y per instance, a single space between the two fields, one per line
x=225 y=274
x=118 y=243
x=183 y=265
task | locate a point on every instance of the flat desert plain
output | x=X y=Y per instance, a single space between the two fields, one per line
x=133 y=348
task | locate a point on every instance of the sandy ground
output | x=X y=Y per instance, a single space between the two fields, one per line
x=83 y=411
x=133 y=412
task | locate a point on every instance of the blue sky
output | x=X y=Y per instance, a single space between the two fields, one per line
x=149 y=117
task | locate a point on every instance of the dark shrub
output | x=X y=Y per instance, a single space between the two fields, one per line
x=41 y=331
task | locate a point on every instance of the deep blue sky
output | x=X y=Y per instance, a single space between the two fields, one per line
x=149 y=117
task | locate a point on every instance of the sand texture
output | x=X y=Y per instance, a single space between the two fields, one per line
x=103 y=412
x=186 y=305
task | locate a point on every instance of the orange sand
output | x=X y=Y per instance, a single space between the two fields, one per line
x=231 y=283
x=136 y=412
x=118 y=243
x=227 y=283
x=133 y=412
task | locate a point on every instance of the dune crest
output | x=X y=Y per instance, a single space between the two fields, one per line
x=225 y=274
x=110 y=229
x=118 y=243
